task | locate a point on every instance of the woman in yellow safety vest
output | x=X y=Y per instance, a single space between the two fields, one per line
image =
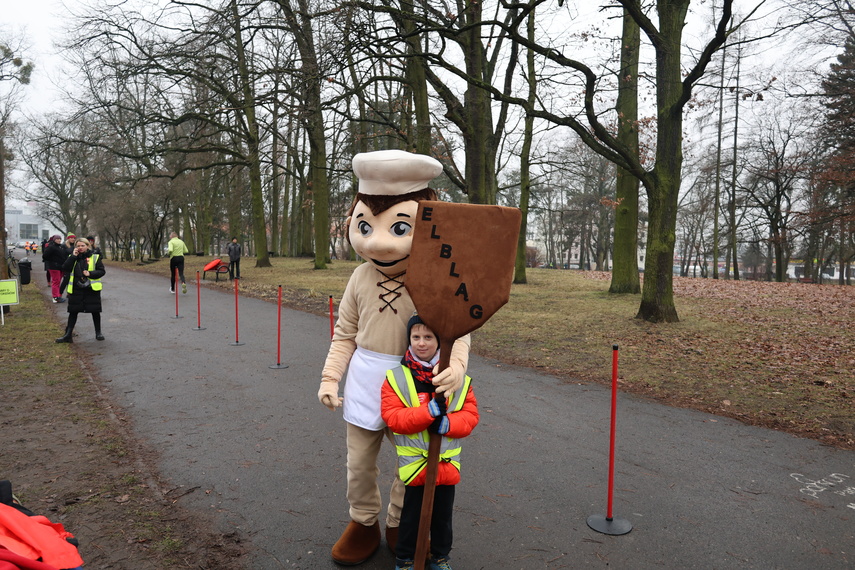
x=84 y=287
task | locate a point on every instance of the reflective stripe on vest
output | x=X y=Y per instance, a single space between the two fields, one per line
x=96 y=283
x=413 y=449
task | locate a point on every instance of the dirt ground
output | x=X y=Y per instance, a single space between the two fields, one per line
x=71 y=457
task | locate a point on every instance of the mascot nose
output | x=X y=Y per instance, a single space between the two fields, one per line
x=384 y=244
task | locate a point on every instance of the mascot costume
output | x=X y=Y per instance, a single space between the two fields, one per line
x=371 y=335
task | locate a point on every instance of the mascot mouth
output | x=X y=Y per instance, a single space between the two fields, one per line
x=387 y=263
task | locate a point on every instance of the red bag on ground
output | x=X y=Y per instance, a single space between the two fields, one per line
x=11 y=561
x=36 y=538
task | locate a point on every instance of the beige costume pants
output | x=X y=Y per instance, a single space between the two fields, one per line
x=363 y=492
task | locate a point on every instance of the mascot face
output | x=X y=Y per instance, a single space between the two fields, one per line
x=384 y=240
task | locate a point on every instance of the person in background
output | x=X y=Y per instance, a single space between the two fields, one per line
x=234 y=251
x=68 y=248
x=45 y=243
x=95 y=249
x=84 y=289
x=54 y=257
x=176 y=249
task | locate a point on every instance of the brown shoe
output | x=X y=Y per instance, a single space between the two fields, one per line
x=357 y=544
x=392 y=538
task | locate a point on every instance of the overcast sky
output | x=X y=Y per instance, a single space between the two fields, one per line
x=39 y=23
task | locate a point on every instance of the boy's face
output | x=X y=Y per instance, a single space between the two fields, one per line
x=423 y=342
x=384 y=240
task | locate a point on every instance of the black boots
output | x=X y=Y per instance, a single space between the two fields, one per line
x=68 y=333
x=67 y=336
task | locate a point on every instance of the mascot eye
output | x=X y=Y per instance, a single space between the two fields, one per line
x=364 y=228
x=400 y=229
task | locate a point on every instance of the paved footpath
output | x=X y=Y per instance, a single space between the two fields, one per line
x=269 y=461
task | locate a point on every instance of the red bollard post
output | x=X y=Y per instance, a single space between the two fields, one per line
x=332 y=321
x=237 y=341
x=175 y=290
x=279 y=334
x=198 y=326
x=608 y=524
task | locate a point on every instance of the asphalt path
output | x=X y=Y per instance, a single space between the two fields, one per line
x=252 y=446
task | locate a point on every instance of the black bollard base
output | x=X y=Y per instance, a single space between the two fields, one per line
x=277 y=366
x=613 y=526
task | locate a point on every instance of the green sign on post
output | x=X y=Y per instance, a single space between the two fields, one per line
x=9 y=292
x=8 y=296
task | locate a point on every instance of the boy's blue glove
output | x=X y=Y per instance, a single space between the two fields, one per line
x=440 y=425
x=443 y=426
x=434 y=409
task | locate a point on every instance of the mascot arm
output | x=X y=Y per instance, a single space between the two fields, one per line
x=451 y=379
x=337 y=361
x=341 y=349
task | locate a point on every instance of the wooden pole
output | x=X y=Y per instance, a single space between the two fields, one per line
x=432 y=468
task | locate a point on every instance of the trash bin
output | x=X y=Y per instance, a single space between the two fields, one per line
x=25 y=266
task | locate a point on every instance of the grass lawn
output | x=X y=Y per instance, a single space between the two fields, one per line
x=773 y=354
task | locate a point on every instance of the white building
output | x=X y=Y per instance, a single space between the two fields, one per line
x=24 y=224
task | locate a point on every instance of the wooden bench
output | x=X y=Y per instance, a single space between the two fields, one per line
x=218 y=266
x=807 y=280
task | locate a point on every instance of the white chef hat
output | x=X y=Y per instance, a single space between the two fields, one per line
x=394 y=172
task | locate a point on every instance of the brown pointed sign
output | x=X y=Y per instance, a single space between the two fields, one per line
x=462 y=264
x=459 y=274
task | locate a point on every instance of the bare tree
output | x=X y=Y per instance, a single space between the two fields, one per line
x=781 y=158
x=14 y=71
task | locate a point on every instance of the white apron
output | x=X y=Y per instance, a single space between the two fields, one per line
x=363 y=384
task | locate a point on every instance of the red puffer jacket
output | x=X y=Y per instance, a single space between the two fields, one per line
x=405 y=420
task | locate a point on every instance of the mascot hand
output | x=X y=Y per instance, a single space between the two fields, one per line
x=449 y=380
x=328 y=394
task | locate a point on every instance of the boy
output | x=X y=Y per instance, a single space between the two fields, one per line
x=408 y=407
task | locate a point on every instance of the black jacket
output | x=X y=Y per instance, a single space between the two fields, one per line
x=54 y=256
x=83 y=299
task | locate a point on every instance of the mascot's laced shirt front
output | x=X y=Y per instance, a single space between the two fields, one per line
x=372 y=316
x=374 y=312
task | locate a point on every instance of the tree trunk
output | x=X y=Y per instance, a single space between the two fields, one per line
x=417 y=82
x=233 y=196
x=253 y=156
x=481 y=179
x=657 y=296
x=717 y=201
x=4 y=267
x=525 y=156
x=732 y=204
x=625 y=277
x=301 y=27
x=275 y=181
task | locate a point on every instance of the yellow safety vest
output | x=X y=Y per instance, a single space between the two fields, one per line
x=96 y=283
x=413 y=448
